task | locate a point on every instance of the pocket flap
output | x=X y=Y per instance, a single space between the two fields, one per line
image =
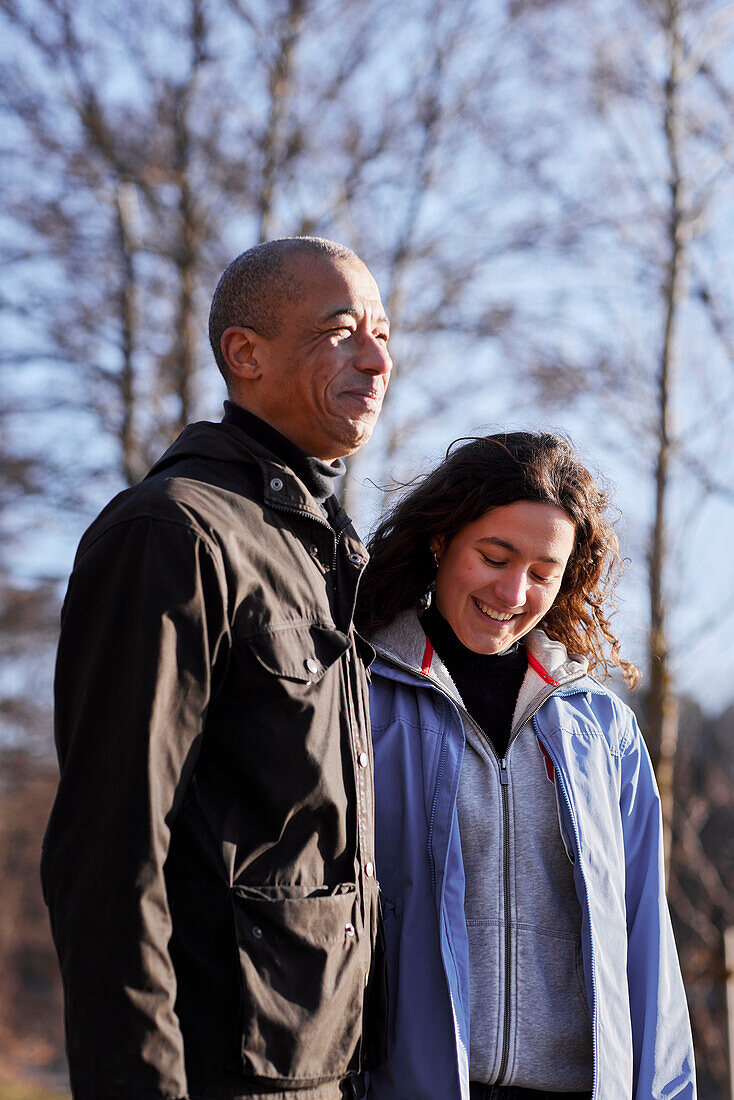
x=302 y=652
x=303 y=965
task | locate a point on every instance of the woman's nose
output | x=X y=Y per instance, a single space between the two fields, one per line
x=512 y=588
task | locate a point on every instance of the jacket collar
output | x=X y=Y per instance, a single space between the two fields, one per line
x=550 y=668
x=229 y=443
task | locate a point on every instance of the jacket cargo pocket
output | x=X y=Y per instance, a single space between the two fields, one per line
x=303 y=981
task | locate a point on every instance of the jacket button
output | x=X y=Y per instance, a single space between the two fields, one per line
x=356 y=559
x=369 y=869
x=311 y=665
x=314 y=551
x=257 y=931
x=362 y=760
x=349 y=929
x=276 y=484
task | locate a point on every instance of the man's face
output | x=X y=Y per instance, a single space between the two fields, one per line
x=324 y=376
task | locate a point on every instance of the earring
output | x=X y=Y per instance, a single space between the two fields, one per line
x=436 y=558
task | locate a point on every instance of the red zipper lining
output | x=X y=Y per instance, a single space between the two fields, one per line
x=537 y=667
x=427 y=657
x=532 y=661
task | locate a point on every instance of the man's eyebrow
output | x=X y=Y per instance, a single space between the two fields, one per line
x=352 y=311
x=514 y=550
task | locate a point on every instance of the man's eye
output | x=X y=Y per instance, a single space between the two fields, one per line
x=384 y=336
x=490 y=561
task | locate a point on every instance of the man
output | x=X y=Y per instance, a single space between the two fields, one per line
x=208 y=861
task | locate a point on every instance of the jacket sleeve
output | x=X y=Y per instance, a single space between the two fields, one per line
x=661 y=1032
x=143 y=621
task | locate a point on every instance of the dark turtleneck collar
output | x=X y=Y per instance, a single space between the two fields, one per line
x=488 y=682
x=318 y=476
x=454 y=653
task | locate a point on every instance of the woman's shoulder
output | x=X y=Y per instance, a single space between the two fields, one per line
x=598 y=705
x=593 y=704
x=400 y=644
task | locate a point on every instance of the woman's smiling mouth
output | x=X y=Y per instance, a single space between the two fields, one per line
x=497 y=616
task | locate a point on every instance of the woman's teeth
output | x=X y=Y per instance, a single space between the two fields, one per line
x=498 y=616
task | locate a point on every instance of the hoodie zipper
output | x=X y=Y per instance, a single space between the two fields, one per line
x=504 y=784
x=504 y=791
x=505 y=795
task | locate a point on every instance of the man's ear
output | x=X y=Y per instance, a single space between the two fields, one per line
x=240 y=348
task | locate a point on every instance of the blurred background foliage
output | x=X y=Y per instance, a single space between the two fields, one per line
x=543 y=190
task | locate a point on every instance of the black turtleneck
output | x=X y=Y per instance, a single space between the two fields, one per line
x=318 y=476
x=488 y=683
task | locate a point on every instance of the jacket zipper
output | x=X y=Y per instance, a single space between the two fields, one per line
x=335 y=535
x=303 y=513
x=434 y=804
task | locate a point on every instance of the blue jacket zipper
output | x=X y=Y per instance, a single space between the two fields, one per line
x=577 y=850
x=434 y=804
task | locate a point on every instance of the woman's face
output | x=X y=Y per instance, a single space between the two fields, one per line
x=500 y=574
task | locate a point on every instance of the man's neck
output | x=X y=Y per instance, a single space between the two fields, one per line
x=318 y=476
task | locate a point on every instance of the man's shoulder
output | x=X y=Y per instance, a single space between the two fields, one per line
x=202 y=483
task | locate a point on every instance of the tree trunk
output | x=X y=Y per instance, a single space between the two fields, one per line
x=185 y=364
x=280 y=87
x=126 y=235
x=187 y=253
x=662 y=701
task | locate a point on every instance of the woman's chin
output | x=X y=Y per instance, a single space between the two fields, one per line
x=484 y=643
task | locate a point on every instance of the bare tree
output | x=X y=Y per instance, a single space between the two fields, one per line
x=637 y=327
x=702 y=867
x=639 y=332
x=189 y=163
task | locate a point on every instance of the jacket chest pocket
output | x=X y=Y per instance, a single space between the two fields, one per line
x=300 y=653
x=303 y=967
x=285 y=683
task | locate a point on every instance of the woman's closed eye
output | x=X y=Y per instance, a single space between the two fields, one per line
x=491 y=561
x=544 y=580
x=539 y=578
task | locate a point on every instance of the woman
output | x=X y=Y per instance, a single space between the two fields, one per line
x=518 y=844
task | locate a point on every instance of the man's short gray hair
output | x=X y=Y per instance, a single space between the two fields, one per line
x=253 y=290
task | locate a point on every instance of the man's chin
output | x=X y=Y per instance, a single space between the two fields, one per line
x=353 y=434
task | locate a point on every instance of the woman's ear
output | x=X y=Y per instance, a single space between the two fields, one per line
x=436 y=544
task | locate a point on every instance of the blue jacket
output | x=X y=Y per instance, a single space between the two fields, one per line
x=609 y=813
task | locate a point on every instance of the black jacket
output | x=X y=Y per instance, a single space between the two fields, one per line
x=208 y=861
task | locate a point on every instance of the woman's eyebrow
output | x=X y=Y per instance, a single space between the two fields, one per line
x=514 y=550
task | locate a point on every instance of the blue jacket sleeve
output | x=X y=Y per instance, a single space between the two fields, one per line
x=661 y=1032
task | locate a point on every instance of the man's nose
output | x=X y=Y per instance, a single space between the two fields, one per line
x=374 y=358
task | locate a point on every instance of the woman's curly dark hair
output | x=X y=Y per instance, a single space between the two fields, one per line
x=489 y=472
